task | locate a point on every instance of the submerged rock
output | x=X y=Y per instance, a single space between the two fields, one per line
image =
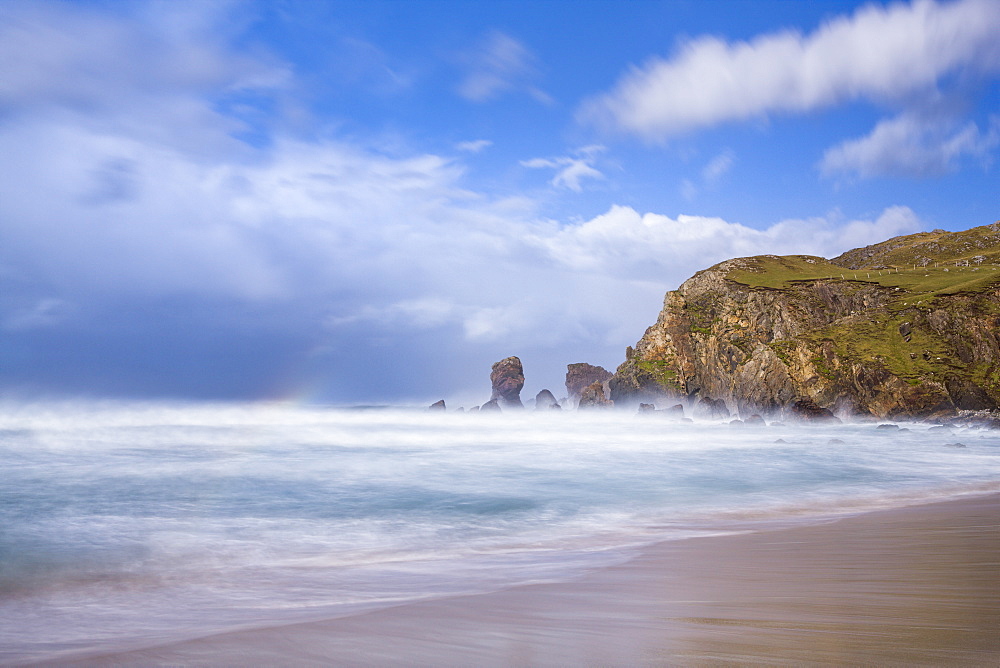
x=507 y=378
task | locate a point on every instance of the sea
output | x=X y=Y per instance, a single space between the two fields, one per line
x=130 y=525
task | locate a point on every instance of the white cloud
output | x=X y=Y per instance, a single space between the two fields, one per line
x=717 y=167
x=47 y=312
x=688 y=189
x=570 y=170
x=711 y=174
x=154 y=72
x=879 y=52
x=500 y=64
x=474 y=146
x=911 y=145
x=624 y=243
x=422 y=313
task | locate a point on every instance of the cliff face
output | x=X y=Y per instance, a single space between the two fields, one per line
x=896 y=337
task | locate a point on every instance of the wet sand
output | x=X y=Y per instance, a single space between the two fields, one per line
x=907 y=587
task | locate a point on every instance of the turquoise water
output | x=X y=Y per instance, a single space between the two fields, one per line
x=131 y=525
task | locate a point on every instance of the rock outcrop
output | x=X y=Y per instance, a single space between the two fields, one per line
x=806 y=409
x=879 y=331
x=580 y=375
x=593 y=397
x=491 y=406
x=545 y=401
x=437 y=406
x=508 y=379
x=711 y=409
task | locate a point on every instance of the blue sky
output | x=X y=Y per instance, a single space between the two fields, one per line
x=360 y=202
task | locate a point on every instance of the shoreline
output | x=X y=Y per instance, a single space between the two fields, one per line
x=915 y=585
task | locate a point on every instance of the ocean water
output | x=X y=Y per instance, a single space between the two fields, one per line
x=125 y=526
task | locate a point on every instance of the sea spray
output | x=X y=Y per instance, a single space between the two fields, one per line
x=125 y=525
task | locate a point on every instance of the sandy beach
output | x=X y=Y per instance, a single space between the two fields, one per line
x=911 y=586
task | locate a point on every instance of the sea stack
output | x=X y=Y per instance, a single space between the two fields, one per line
x=580 y=375
x=545 y=400
x=508 y=379
x=490 y=406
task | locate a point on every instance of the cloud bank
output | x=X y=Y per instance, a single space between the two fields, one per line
x=147 y=249
x=329 y=256
x=912 y=145
x=879 y=53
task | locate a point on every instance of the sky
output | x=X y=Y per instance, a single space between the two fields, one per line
x=372 y=202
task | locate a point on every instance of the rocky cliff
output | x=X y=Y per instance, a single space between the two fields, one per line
x=905 y=328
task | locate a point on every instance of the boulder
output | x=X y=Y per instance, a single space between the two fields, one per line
x=508 y=379
x=711 y=409
x=491 y=406
x=675 y=412
x=593 y=397
x=807 y=409
x=545 y=400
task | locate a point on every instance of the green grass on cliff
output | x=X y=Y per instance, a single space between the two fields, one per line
x=878 y=339
x=875 y=336
x=915 y=284
x=976 y=246
x=660 y=372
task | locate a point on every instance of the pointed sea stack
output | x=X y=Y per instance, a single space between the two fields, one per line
x=545 y=400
